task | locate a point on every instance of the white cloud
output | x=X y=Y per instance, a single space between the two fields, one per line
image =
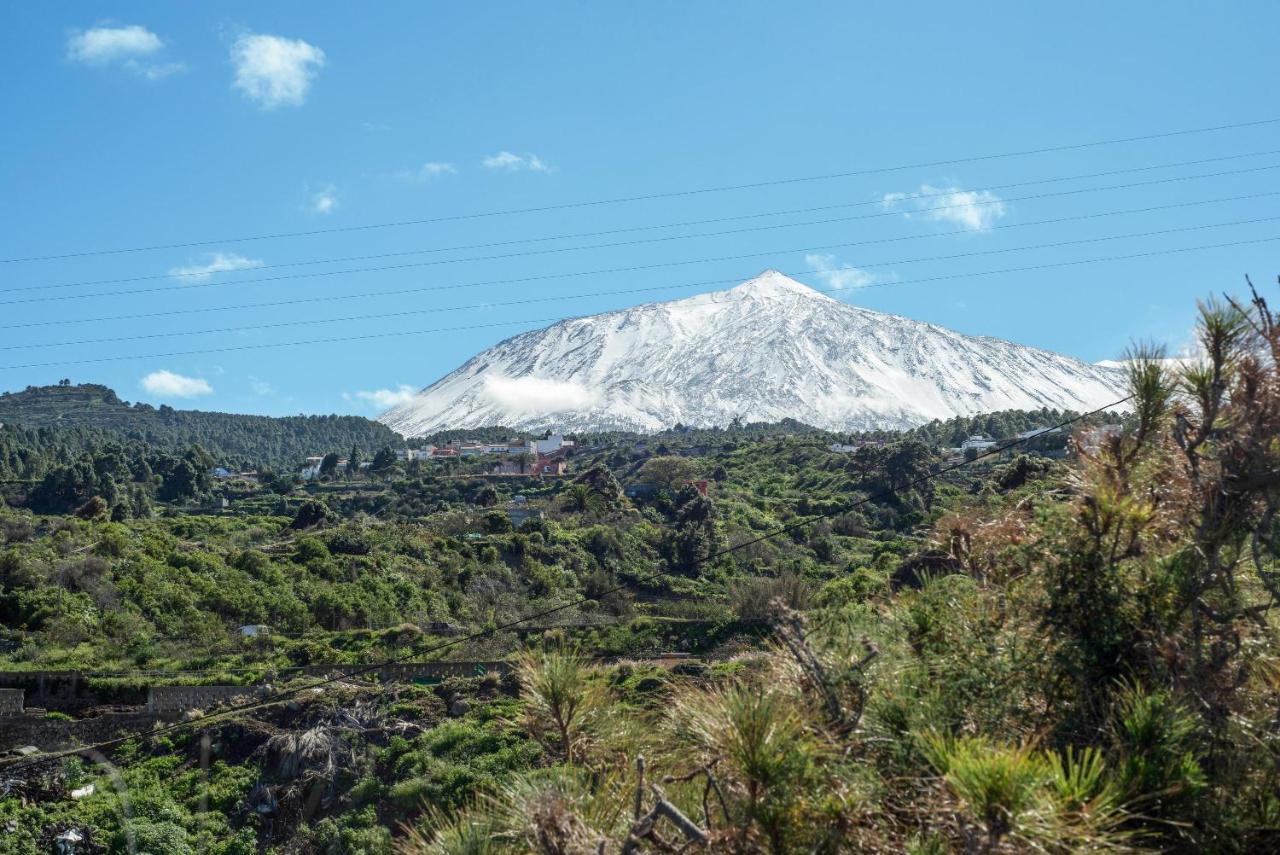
x=836 y=275
x=103 y=45
x=426 y=172
x=126 y=46
x=216 y=262
x=273 y=71
x=160 y=72
x=975 y=210
x=386 y=398
x=505 y=161
x=433 y=168
x=261 y=387
x=538 y=395
x=167 y=384
x=323 y=201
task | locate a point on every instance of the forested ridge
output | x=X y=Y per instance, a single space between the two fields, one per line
x=84 y=416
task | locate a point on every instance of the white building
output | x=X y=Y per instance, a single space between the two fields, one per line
x=311 y=469
x=978 y=442
x=1027 y=434
x=553 y=443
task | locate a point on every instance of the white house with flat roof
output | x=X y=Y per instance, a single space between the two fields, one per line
x=978 y=442
x=551 y=444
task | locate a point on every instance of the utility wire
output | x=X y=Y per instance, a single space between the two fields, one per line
x=664 y=288
x=904 y=198
x=563 y=319
x=401 y=334
x=397 y=292
x=666 y=195
x=235 y=710
x=556 y=250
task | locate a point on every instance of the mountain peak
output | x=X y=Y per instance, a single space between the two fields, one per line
x=772 y=283
x=771 y=348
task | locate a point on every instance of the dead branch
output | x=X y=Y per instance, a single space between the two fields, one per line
x=713 y=785
x=645 y=826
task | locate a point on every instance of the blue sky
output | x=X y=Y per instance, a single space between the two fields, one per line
x=137 y=124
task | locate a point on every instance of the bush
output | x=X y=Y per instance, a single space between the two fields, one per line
x=751 y=598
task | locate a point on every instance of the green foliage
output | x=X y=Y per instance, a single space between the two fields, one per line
x=456 y=760
x=1157 y=739
x=997 y=785
x=561 y=693
x=69 y=419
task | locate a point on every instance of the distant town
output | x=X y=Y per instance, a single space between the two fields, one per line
x=520 y=456
x=549 y=456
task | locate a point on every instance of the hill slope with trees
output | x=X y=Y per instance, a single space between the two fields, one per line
x=93 y=411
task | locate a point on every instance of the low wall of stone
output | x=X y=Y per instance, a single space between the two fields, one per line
x=11 y=701
x=70 y=691
x=164 y=700
x=54 y=690
x=407 y=672
x=59 y=734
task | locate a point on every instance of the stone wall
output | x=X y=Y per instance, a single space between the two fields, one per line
x=59 y=734
x=54 y=690
x=404 y=672
x=163 y=700
x=11 y=701
x=72 y=691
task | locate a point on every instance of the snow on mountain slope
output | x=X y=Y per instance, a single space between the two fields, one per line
x=768 y=349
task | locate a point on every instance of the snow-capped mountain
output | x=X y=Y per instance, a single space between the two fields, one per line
x=769 y=349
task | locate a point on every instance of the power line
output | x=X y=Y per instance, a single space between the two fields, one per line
x=651 y=196
x=365 y=669
x=525 y=254
x=907 y=197
x=401 y=334
x=662 y=288
x=398 y=292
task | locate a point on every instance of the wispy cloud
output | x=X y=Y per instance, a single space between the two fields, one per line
x=125 y=46
x=273 y=71
x=974 y=210
x=427 y=171
x=215 y=262
x=167 y=384
x=386 y=398
x=433 y=168
x=261 y=387
x=838 y=276
x=102 y=45
x=505 y=161
x=160 y=72
x=323 y=201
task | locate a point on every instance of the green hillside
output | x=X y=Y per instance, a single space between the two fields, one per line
x=232 y=439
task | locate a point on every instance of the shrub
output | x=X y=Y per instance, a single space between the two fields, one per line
x=560 y=691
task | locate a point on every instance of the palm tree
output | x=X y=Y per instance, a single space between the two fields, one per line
x=580 y=497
